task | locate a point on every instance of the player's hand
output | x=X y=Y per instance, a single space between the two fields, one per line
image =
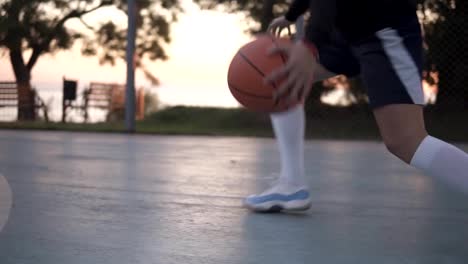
x=278 y=24
x=297 y=73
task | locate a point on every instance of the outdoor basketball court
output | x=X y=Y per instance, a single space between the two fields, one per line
x=113 y=198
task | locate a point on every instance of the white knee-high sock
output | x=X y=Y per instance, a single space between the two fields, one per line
x=443 y=161
x=289 y=128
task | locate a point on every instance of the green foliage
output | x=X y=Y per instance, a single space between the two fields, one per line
x=153 y=21
x=210 y=117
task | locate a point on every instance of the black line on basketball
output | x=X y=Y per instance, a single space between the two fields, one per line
x=265 y=97
x=273 y=40
x=251 y=63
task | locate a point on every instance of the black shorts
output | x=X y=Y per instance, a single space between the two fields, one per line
x=390 y=63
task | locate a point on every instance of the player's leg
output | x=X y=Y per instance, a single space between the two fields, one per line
x=402 y=129
x=391 y=68
x=289 y=129
x=291 y=191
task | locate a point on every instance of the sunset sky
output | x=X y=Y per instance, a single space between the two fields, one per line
x=203 y=43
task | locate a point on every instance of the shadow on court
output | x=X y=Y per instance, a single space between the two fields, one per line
x=109 y=198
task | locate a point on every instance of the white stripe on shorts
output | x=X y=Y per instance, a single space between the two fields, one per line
x=402 y=63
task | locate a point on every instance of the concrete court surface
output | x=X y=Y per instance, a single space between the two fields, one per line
x=112 y=198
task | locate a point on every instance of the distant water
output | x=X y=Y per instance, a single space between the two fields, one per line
x=51 y=93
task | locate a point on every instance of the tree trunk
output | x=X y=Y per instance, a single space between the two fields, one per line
x=26 y=96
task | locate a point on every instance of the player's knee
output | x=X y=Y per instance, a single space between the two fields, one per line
x=393 y=146
x=399 y=146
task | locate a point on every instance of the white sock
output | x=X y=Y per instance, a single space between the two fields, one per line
x=289 y=128
x=443 y=161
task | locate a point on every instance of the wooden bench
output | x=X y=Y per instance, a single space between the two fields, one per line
x=10 y=99
x=8 y=94
x=98 y=95
x=109 y=97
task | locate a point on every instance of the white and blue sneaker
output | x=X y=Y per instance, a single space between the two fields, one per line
x=281 y=196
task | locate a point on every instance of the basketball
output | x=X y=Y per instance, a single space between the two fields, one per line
x=250 y=65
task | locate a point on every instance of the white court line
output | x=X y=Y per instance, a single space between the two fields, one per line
x=6 y=199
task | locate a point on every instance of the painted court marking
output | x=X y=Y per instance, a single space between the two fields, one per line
x=5 y=201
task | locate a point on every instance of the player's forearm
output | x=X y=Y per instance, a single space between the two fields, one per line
x=297 y=8
x=321 y=21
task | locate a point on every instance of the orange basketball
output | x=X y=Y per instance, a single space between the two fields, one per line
x=247 y=70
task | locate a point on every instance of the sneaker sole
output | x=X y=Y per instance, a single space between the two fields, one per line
x=278 y=206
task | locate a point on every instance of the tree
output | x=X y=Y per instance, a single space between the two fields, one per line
x=38 y=27
x=445 y=24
